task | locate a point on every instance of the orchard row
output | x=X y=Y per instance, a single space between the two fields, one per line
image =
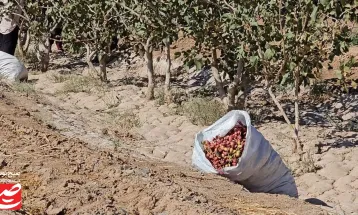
x=275 y=42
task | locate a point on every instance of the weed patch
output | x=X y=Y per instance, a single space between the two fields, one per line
x=202 y=111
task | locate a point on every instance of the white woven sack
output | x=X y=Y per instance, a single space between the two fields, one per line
x=11 y=68
x=259 y=169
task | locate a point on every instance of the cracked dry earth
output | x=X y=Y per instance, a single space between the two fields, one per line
x=62 y=175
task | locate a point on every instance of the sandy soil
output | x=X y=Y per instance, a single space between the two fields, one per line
x=62 y=175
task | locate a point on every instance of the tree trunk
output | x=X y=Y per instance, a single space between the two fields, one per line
x=26 y=45
x=216 y=75
x=103 y=67
x=20 y=48
x=43 y=53
x=89 y=56
x=141 y=51
x=23 y=43
x=46 y=58
x=167 y=73
x=150 y=69
x=298 y=145
x=45 y=61
x=241 y=99
x=233 y=87
x=279 y=106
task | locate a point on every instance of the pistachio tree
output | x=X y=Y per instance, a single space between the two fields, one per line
x=278 y=42
x=35 y=19
x=93 y=23
x=346 y=11
x=169 y=18
x=292 y=40
x=152 y=23
x=223 y=41
x=41 y=18
x=202 y=22
x=308 y=37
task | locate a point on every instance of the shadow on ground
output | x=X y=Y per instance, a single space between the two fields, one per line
x=317 y=202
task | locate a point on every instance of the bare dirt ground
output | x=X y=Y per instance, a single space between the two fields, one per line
x=116 y=149
x=62 y=175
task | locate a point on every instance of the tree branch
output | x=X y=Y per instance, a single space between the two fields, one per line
x=231 y=7
x=89 y=57
x=140 y=16
x=279 y=106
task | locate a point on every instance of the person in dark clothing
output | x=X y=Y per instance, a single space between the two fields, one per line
x=56 y=35
x=9 y=29
x=8 y=42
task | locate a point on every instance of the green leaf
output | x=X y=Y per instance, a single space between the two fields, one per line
x=324 y=2
x=190 y=63
x=196 y=9
x=346 y=69
x=227 y=16
x=290 y=35
x=177 y=54
x=254 y=60
x=339 y=74
x=314 y=14
x=187 y=19
x=354 y=85
x=292 y=66
x=254 y=23
x=284 y=78
x=186 y=67
x=344 y=46
x=269 y=53
x=198 y=64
